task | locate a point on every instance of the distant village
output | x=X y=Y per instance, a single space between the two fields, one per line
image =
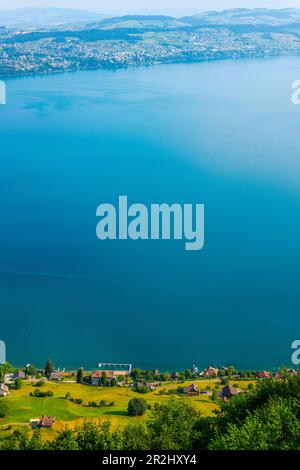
x=124 y=375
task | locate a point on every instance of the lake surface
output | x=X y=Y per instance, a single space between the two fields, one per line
x=222 y=133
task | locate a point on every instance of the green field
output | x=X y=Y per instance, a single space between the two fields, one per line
x=23 y=407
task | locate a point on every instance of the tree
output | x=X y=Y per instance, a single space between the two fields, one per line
x=275 y=426
x=148 y=375
x=230 y=371
x=79 y=377
x=104 y=380
x=136 y=374
x=3 y=409
x=137 y=407
x=30 y=370
x=18 y=384
x=49 y=367
x=166 y=376
x=136 y=437
x=113 y=382
x=172 y=426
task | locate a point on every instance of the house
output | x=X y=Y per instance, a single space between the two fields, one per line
x=43 y=422
x=292 y=372
x=228 y=391
x=19 y=374
x=155 y=372
x=9 y=379
x=149 y=385
x=55 y=376
x=210 y=372
x=47 y=422
x=191 y=390
x=175 y=375
x=264 y=374
x=4 y=390
x=96 y=376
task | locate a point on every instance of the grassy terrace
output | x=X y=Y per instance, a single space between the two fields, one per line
x=23 y=407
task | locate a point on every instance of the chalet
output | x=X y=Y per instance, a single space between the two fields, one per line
x=19 y=375
x=43 y=422
x=264 y=374
x=96 y=375
x=47 y=422
x=4 y=390
x=228 y=391
x=191 y=391
x=210 y=372
x=55 y=376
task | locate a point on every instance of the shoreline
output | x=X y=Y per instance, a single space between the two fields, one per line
x=144 y=66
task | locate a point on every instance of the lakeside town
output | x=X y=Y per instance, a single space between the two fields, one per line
x=111 y=390
x=133 y=41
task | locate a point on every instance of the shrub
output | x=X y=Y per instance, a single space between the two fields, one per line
x=39 y=394
x=18 y=384
x=137 y=407
x=40 y=383
x=3 y=409
x=93 y=404
x=142 y=389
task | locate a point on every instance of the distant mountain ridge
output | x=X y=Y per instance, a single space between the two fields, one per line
x=43 y=17
x=51 y=17
x=254 y=16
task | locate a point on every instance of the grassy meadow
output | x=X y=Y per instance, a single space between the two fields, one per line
x=23 y=408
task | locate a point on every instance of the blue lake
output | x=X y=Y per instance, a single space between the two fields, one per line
x=222 y=133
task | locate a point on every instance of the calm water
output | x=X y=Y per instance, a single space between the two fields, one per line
x=224 y=134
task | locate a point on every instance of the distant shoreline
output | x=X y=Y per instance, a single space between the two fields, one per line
x=145 y=66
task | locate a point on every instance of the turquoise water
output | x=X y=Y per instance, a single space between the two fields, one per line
x=224 y=134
